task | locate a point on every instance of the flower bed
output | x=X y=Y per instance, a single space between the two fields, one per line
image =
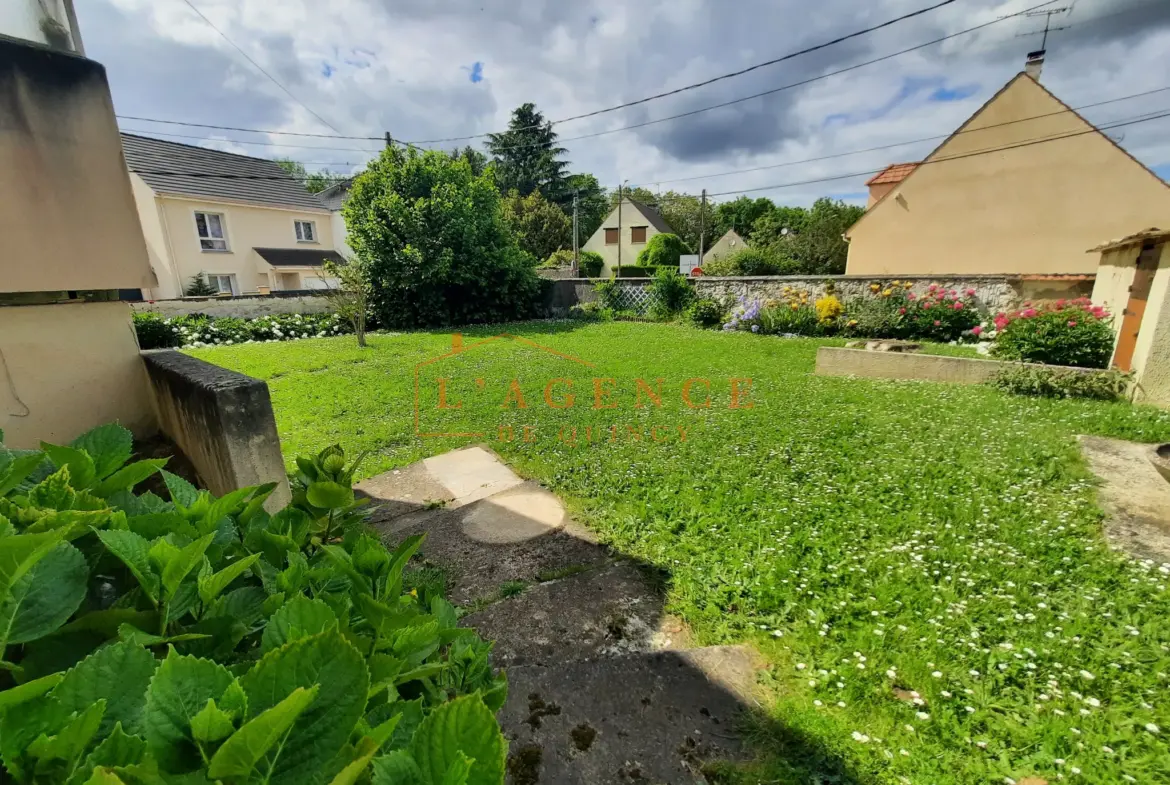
x=200 y=330
x=1072 y=332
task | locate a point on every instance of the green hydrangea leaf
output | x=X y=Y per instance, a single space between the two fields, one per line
x=213 y=585
x=71 y=740
x=15 y=696
x=18 y=470
x=300 y=617
x=397 y=768
x=464 y=726
x=180 y=564
x=117 y=749
x=323 y=729
x=108 y=445
x=211 y=723
x=82 y=471
x=251 y=743
x=134 y=551
x=180 y=689
x=128 y=476
x=182 y=492
x=119 y=674
x=44 y=598
x=329 y=495
x=20 y=553
x=53 y=492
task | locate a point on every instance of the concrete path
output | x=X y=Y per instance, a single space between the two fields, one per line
x=1134 y=496
x=603 y=686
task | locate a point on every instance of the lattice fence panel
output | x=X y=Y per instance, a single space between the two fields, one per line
x=635 y=298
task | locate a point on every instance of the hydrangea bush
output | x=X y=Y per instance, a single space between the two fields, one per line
x=199 y=330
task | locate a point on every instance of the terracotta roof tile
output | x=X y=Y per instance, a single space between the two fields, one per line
x=894 y=173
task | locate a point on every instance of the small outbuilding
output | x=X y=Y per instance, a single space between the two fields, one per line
x=1133 y=284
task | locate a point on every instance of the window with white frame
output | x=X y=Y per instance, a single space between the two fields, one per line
x=209 y=227
x=306 y=231
x=225 y=284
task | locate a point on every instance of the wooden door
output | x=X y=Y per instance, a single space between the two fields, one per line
x=1135 y=309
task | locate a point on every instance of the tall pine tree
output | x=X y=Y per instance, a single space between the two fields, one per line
x=528 y=159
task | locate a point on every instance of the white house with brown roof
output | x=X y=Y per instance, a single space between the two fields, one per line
x=241 y=222
x=623 y=234
x=1023 y=187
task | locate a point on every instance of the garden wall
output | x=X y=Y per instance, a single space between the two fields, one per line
x=923 y=367
x=994 y=292
x=248 y=306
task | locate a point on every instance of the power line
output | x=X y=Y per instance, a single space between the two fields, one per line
x=774 y=90
x=903 y=144
x=210 y=176
x=154 y=133
x=259 y=68
x=721 y=77
x=1153 y=116
x=248 y=130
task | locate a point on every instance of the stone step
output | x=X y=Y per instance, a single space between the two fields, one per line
x=635 y=718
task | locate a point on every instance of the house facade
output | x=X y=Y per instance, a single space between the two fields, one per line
x=726 y=245
x=624 y=233
x=1022 y=188
x=334 y=198
x=240 y=222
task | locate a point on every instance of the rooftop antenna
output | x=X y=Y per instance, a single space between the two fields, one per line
x=1035 y=61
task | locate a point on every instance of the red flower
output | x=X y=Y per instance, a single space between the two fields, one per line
x=958 y=305
x=977 y=330
x=901 y=310
x=1072 y=324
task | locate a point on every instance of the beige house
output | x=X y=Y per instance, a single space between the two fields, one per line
x=68 y=356
x=240 y=222
x=1133 y=284
x=726 y=245
x=624 y=233
x=1023 y=187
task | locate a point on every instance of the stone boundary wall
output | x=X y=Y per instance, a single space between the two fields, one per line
x=832 y=361
x=221 y=420
x=247 y=306
x=993 y=292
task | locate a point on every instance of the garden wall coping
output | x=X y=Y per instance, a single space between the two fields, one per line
x=833 y=361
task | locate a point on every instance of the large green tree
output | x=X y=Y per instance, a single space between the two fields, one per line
x=314 y=182
x=434 y=238
x=592 y=204
x=741 y=214
x=539 y=225
x=474 y=158
x=807 y=241
x=528 y=159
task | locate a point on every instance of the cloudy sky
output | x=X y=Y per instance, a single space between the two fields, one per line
x=431 y=69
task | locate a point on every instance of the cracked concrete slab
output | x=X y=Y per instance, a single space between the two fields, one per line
x=1134 y=496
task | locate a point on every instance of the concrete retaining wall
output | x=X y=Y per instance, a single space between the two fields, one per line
x=244 y=306
x=221 y=420
x=925 y=367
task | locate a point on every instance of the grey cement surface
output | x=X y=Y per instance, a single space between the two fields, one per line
x=1134 y=496
x=602 y=685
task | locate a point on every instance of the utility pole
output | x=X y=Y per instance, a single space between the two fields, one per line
x=702 y=224
x=576 y=249
x=389 y=141
x=621 y=198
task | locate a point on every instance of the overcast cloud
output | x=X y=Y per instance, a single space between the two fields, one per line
x=426 y=69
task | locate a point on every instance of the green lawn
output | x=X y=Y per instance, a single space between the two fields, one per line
x=872 y=538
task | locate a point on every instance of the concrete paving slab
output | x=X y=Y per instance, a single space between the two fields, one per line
x=471 y=474
x=652 y=718
x=1134 y=496
x=402 y=491
x=602 y=612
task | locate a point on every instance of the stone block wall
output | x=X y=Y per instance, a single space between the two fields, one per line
x=243 y=306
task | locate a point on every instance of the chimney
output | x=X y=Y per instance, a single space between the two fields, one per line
x=1034 y=64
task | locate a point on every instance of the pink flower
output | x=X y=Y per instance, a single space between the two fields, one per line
x=958 y=305
x=937 y=322
x=1028 y=313
x=1072 y=324
x=901 y=310
x=932 y=287
x=953 y=293
x=927 y=304
x=977 y=330
x=1060 y=303
x=911 y=296
x=970 y=292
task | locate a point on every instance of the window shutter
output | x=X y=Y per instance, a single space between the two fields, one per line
x=612 y=236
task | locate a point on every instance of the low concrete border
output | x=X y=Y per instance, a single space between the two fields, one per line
x=832 y=361
x=221 y=420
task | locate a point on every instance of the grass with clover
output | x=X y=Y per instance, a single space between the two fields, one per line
x=922 y=565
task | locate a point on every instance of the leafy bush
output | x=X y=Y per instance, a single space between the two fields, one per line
x=589 y=312
x=748 y=261
x=662 y=250
x=791 y=315
x=1063 y=383
x=590 y=262
x=154 y=331
x=438 y=248
x=608 y=294
x=893 y=311
x=1073 y=333
x=828 y=309
x=670 y=293
x=705 y=313
x=198 y=639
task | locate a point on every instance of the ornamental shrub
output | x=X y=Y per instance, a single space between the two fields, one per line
x=201 y=639
x=662 y=250
x=894 y=311
x=608 y=294
x=670 y=293
x=1075 y=333
x=1063 y=383
x=199 y=330
x=154 y=331
x=705 y=313
x=747 y=261
x=436 y=242
x=589 y=262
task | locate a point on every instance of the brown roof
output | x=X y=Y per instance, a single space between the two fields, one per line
x=1153 y=233
x=894 y=173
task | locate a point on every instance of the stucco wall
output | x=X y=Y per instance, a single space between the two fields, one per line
x=1148 y=368
x=630 y=216
x=246 y=227
x=241 y=307
x=1031 y=209
x=68 y=368
x=728 y=244
x=67 y=217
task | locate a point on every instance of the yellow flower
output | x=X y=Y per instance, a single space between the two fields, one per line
x=873 y=287
x=908 y=284
x=897 y=283
x=795 y=306
x=887 y=292
x=852 y=322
